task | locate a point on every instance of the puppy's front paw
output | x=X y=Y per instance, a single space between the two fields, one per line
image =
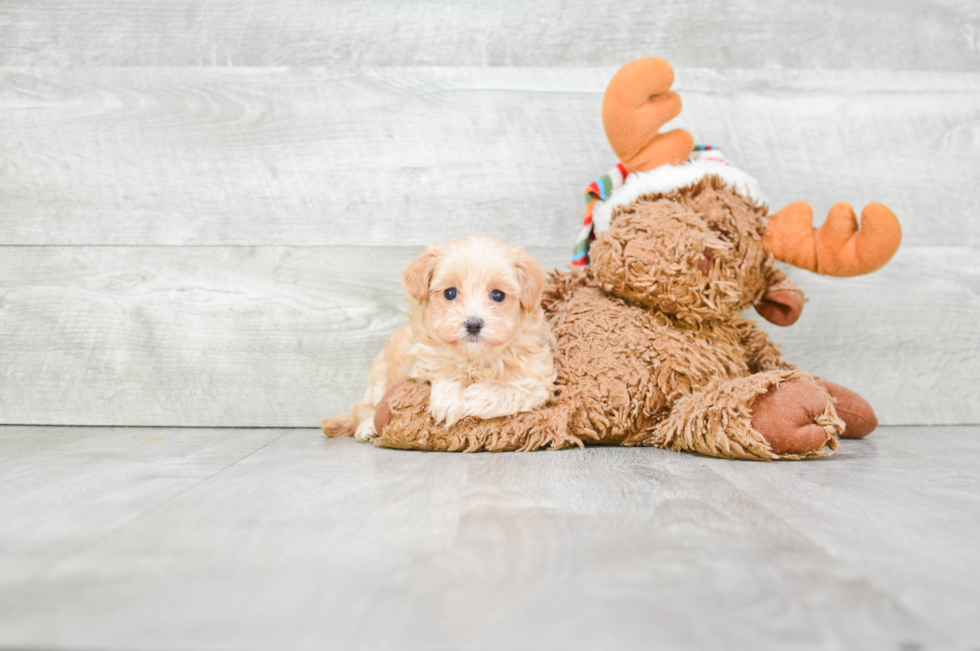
x=449 y=411
x=438 y=412
x=456 y=412
x=446 y=402
x=485 y=400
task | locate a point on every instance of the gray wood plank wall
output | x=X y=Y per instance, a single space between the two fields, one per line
x=204 y=206
x=835 y=35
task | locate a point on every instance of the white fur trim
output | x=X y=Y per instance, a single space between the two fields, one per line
x=673 y=177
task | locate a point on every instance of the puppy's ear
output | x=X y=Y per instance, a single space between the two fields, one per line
x=418 y=274
x=531 y=276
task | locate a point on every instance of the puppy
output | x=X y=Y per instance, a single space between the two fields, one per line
x=476 y=332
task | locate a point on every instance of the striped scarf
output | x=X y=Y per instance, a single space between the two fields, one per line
x=598 y=190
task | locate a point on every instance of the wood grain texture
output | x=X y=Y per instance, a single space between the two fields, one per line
x=281 y=336
x=285 y=539
x=925 y=35
x=404 y=156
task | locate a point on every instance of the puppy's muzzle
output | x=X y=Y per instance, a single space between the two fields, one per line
x=473 y=326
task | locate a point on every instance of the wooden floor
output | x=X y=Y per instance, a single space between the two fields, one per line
x=134 y=538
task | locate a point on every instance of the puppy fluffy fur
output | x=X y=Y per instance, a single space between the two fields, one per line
x=477 y=333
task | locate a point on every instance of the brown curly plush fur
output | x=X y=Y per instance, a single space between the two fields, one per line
x=651 y=349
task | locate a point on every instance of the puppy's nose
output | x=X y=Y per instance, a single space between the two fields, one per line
x=473 y=326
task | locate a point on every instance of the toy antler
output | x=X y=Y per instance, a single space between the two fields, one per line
x=838 y=248
x=638 y=101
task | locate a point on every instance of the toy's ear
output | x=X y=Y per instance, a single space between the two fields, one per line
x=531 y=276
x=418 y=274
x=782 y=304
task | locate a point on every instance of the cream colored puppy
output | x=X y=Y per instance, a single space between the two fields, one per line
x=477 y=333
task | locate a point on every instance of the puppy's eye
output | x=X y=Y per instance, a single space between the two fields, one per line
x=497 y=295
x=450 y=293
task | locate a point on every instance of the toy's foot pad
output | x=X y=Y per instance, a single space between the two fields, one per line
x=786 y=415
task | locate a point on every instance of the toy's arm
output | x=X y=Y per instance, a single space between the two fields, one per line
x=402 y=420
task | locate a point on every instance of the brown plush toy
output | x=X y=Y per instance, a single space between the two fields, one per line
x=651 y=349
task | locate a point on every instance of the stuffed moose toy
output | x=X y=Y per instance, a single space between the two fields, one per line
x=650 y=347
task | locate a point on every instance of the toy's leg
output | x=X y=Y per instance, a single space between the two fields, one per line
x=402 y=420
x=858 y=416
x=770 y=415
